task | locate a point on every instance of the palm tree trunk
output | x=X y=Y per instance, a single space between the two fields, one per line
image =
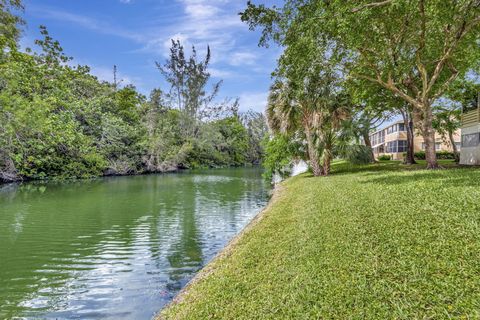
x=327 y=160
x=313 y=156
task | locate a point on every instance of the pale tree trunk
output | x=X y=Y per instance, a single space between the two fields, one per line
x=313 y=154
x=454 y=147
x=429 y=137
x=368 y=143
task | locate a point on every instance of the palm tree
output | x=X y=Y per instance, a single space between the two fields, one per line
x=313 y=110
x=286 y=114
x=332 y=117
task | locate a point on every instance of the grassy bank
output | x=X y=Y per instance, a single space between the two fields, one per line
x=369 y=242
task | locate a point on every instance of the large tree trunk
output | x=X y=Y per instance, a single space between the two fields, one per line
x=368 y=143
x=407 y=119
x=429 y=137
x=454 y=146
x=313 y=156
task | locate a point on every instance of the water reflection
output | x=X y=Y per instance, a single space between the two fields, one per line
x=116 y=248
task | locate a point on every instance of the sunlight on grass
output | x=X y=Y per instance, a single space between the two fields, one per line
x=373 y=242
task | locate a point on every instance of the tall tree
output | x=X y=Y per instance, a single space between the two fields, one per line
x=311 y=106
x=363 y=122
x=257 y=130
x=188 y=79
x=413 y=48
x=287 y=115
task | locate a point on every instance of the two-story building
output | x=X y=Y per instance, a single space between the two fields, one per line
x=392 y=140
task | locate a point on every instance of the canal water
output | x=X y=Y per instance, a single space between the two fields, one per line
x=116 y=248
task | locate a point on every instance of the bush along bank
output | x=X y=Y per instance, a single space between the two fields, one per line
x=76 y=126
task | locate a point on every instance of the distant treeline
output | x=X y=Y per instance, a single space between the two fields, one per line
x=59 y=121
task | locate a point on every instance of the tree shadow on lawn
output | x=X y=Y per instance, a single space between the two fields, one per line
x=455 y=177
x=345 y=168
x=395 y=173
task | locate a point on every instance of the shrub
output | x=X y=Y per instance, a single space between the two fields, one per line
x=358 y=154
x=442 y=155
x=385 y=157
x=419 y=155
x=445 y=155
x=279 y=152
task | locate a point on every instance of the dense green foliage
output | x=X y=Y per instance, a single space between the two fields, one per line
x=411 y=50
x=384 y=157
x=59 y=121
x=356 y=154
x=444 y=155
x=281 y=152
x=370 y=242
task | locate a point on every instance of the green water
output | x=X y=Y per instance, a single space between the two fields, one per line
x=116 y=248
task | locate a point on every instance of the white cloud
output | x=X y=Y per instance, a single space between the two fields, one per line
x=202 y=23
x=213 y=22
x=85 y=22
x=220 y=73
x=256 y=101
x=243 y=58
x=201 y=10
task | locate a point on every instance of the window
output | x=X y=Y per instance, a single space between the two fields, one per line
x=402 y=146
x=397 y=146
x=379 y=149
x=392 y=145
x=382 y=136
x=458 y=144
x=396 y=127
x=377 y=138
x=470 y=140
x=423 y=145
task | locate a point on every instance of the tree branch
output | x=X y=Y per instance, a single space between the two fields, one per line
x=462 y=30
x=390 y=85
x=371 y=5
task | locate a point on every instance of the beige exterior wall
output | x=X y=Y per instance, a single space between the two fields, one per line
x=417 y=142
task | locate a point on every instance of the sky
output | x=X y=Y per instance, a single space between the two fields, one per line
x=134 y=34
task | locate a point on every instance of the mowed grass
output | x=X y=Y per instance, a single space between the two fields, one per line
x=382 y=241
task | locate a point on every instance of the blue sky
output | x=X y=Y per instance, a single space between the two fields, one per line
x=133 y=34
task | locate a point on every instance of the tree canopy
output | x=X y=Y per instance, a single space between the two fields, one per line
x=59 y=121
x=415 y=49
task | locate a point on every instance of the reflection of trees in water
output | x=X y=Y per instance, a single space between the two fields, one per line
x=185 y=254
x=211 y=200
x=62 y=213
x=167 y=215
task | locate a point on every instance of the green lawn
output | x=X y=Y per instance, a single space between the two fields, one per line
x=369 y=242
